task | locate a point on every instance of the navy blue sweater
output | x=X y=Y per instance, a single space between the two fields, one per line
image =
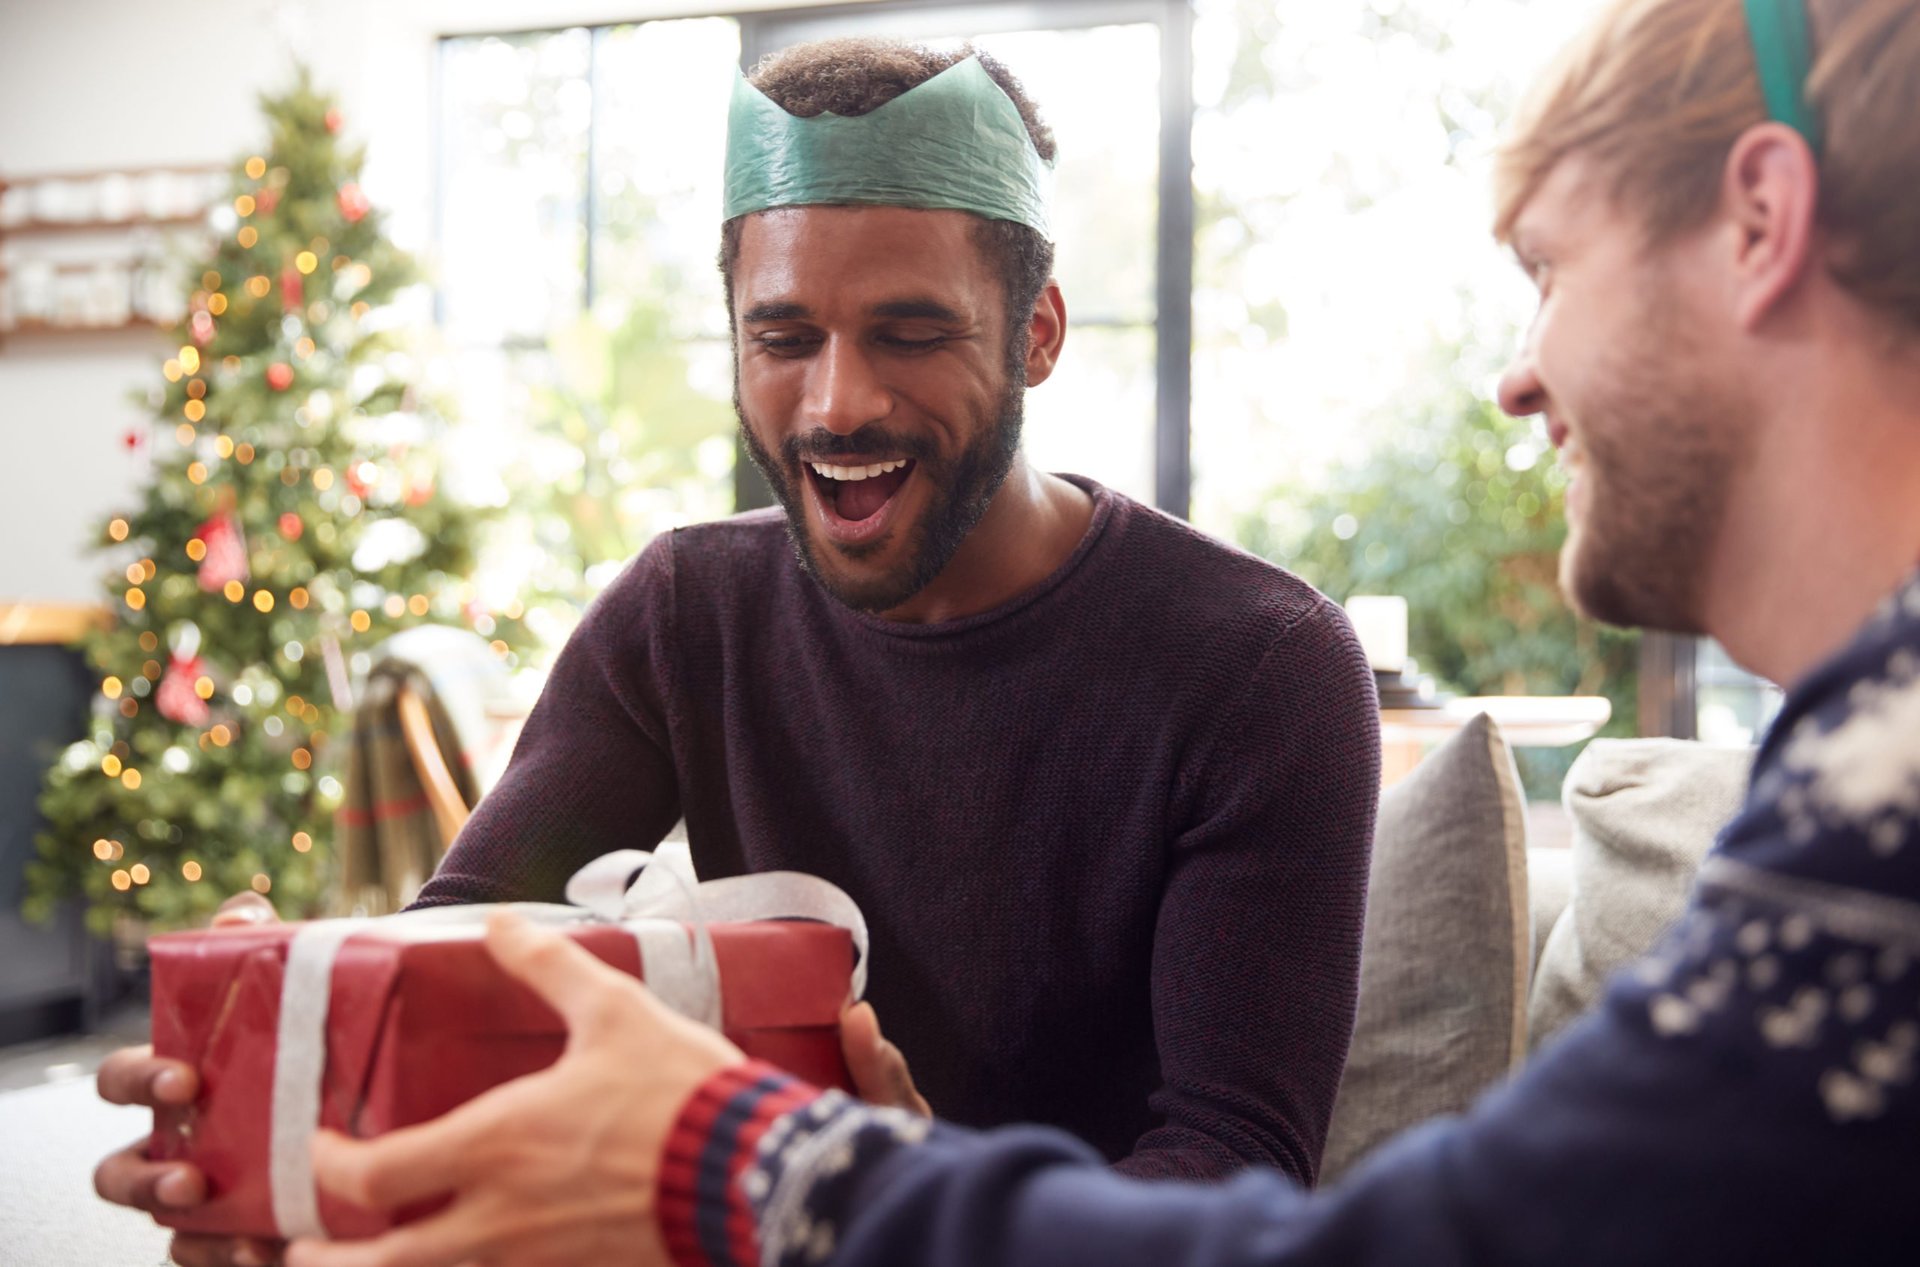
x=1110 y=838
x=1745 y=1095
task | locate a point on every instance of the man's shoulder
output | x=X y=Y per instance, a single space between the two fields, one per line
x=752 y=538
x=1206 y=586
x=721 y=554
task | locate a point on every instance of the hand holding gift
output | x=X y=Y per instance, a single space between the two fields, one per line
x=879 y=1069
x=134 y=1075
x=368 y=1027
x=559 y=1167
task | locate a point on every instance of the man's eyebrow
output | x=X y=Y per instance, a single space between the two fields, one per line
x=775 y=312
x=920 y=309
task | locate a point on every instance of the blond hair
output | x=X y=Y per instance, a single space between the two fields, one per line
x=1655 y=93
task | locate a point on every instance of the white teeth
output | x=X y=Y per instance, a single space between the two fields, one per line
x=854 y=473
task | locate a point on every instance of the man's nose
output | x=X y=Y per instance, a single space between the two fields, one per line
x=1520 y=392
x=843 y=392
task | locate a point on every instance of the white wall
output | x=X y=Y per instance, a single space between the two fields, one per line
x=93 y=85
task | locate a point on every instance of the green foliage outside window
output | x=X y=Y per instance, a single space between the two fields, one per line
x=1461 y=510
x=636 y=448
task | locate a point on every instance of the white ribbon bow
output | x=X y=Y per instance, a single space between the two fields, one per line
x=666 y=909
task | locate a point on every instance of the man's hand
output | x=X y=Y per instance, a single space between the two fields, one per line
x=879 y=1071
x=558 y=1167
x=134 y=1075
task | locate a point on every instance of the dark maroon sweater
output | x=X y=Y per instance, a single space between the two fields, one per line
x=1110 y=838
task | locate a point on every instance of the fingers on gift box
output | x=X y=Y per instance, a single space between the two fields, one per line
x=397 y=1022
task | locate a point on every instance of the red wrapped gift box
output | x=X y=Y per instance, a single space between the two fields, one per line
x=416 y=1028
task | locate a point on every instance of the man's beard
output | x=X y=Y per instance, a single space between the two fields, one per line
x=962 y=489
x=1661 y=447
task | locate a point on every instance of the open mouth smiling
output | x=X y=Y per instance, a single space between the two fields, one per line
x=857 y=497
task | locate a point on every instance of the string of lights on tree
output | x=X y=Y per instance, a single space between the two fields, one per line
x=291 y=522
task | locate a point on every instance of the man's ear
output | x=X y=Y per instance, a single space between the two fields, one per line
x=1046 y=334
x=1771 y=192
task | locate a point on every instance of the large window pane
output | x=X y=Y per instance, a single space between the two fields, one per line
x=1352 y=311
x=515 y=118
x=581 y=209
x=661 y=135
x=1095 y=415
x=1098 y=89
x=1346 y=275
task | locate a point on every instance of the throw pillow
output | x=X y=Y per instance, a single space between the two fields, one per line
x=1645 y=812
x=1445 y=954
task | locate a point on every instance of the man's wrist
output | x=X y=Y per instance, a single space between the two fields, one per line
x=706 y=1219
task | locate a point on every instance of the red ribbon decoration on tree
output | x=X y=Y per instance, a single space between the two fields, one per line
x=226 y=558
x=176 y=698
x=353 y=203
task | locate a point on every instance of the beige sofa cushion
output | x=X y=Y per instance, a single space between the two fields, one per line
x=1645 y=812
x=1445 y=955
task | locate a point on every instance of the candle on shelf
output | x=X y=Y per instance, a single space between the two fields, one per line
x=1381 y=623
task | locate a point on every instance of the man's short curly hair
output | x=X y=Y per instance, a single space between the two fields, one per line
x=852 y=77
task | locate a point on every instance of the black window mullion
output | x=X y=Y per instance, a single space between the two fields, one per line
x=1173 y=370
x=589 y=204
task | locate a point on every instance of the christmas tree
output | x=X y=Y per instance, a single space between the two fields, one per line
x=292 y=521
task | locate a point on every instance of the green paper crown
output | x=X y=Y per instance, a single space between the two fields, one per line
x=1783 y=52
x=955 y=142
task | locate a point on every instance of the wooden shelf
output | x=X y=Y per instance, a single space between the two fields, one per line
x=49 y=327
x=122 y=258
x=173 y=169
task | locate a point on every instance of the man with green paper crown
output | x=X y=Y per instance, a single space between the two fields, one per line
x=1103 y=787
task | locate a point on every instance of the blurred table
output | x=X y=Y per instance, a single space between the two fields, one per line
x=51 y=1138
x=1527 y=721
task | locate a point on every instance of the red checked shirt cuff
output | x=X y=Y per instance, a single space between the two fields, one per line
x=705 y=1218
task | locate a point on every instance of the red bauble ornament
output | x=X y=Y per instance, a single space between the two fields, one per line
x=279 y=376
x=353 y=204
x=266 y=200
x=176 y=699
x=362 y=476
x=201 y=328
x=334 y=122
x=420 y=494
x=133 y=439
x=292 y=290
x=291 y=526
x=226 y=557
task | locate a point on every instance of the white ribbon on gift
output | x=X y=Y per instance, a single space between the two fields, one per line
x=667 y=910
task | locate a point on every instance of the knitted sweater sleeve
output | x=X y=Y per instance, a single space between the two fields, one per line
x=1257 y=947
x=593 y=770
x=1696 y=1117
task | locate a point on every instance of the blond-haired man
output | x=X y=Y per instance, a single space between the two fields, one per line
x=1725 y=236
